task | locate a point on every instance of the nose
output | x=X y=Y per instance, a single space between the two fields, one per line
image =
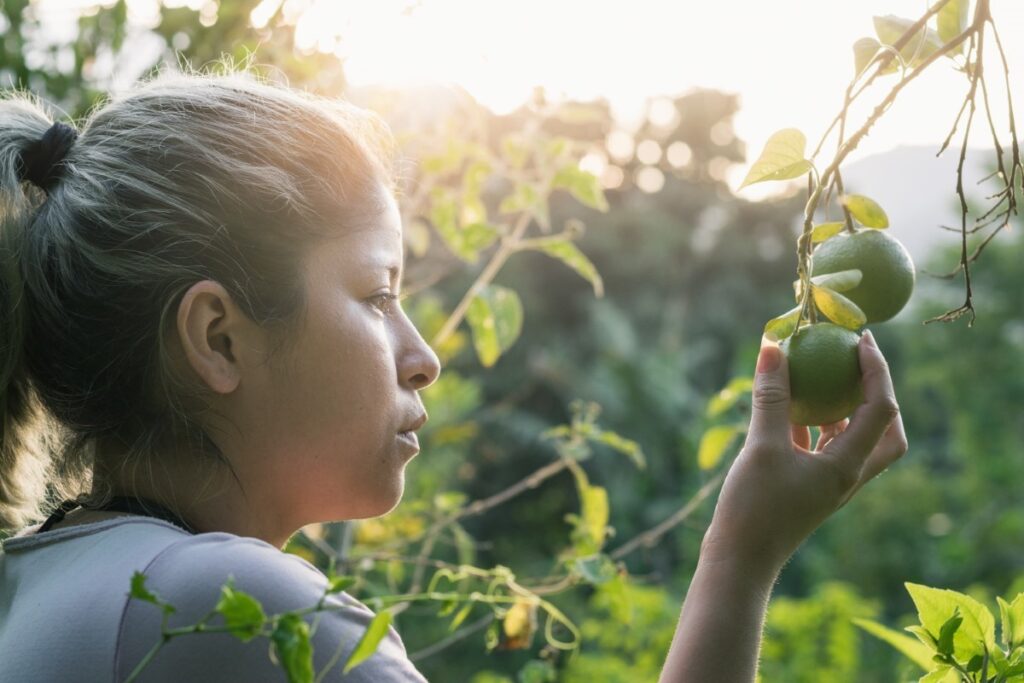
x=419 y=366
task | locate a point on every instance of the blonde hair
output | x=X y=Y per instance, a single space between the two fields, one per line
x=184 y=178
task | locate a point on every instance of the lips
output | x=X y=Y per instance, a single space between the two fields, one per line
x=407 y=435
x=409 y=439
x=415 y=424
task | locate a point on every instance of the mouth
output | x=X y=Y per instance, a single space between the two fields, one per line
x=415 y=424
x=410 y=440
x=407 y=436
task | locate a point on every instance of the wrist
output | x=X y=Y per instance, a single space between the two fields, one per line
x=754 y=560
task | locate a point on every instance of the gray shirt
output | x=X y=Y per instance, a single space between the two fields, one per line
x=65 y=614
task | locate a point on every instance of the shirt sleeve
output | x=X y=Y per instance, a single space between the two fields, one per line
x=189 y=575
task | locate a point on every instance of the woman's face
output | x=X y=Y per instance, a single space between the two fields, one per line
x=332 y=421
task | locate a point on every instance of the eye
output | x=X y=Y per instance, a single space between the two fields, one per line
x=385 y=302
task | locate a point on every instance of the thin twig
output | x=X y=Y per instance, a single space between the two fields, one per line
x=651 y=536
x=445 y=643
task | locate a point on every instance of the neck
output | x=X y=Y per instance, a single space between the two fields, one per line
x=207 y=496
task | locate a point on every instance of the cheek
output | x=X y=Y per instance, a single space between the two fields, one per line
x=351 y=378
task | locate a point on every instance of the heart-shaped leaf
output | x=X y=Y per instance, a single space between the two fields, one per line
x=781 y=159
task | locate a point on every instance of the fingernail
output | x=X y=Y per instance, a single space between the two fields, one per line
x=768 y=359
x=871 y=338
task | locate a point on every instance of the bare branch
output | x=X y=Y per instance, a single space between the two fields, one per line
x=651 y=536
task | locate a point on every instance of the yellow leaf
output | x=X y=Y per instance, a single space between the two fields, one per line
x=519 y=625
x=865 y=210
x=783 y=326
x=714 y=444
x=838 y=308
x=822 y=232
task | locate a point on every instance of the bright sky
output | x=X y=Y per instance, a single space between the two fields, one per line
x=789 y=60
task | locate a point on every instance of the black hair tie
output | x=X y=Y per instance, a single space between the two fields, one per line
x=42 y=162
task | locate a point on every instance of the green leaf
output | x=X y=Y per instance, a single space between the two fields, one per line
x=944 y=674
x=525 y=197
x=783 y=326
x=864 y=50
x=934 y=607
x=139 y=590
x=596 y=569
x=290 y=640
x=714 y=443
x=998 y=661
x=583 y=185
x=631 y=449
x=865 y=210
x=243 y=614
x=460 y=616
x=924 y=636
x=465 y=242
x=838 y=308
x=781 y=159
x=910 y=648
x=1012 y=621
x=569 y=254
x=367 y=645
x=537 y=671
x=464 y=545
x=515 y=150
x=474 y=177
x=820 y=233
x=337 y=584
x=951 y=21
x=944 y=646
x=492 y=636
x=841 y=281
x=736 y=389
x=922 y=45
x=495 y=316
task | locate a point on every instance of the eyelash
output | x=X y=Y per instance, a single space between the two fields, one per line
x=385 y=302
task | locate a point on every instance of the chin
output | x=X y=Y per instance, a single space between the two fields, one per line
x=383 y=503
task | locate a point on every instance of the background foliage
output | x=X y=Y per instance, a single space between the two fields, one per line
x=689 y=273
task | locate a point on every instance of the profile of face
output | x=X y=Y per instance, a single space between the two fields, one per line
x=342 y=408
x=322 y=431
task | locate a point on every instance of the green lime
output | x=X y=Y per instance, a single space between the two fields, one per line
x=824 y=374
x=885 y=263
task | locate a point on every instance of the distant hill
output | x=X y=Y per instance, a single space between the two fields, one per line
x=918 y=191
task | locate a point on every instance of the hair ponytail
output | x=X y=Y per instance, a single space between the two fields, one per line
x=181 y=179
x=24 y=460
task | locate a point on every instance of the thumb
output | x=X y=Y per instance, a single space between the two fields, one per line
x=769 y=420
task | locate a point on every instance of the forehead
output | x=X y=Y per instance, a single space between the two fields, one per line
x=373 y=242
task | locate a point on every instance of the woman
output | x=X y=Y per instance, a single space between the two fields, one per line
x=202 y=345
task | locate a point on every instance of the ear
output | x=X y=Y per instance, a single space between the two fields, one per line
x=217 y=339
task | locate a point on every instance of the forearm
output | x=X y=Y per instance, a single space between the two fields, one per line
x=719 y=632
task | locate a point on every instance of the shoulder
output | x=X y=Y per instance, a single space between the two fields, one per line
x=190 y=573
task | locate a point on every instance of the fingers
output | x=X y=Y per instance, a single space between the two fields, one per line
x=769 y=419
x=869 y=423
x=890 y=449
x=829 y=432
x=801 y=436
